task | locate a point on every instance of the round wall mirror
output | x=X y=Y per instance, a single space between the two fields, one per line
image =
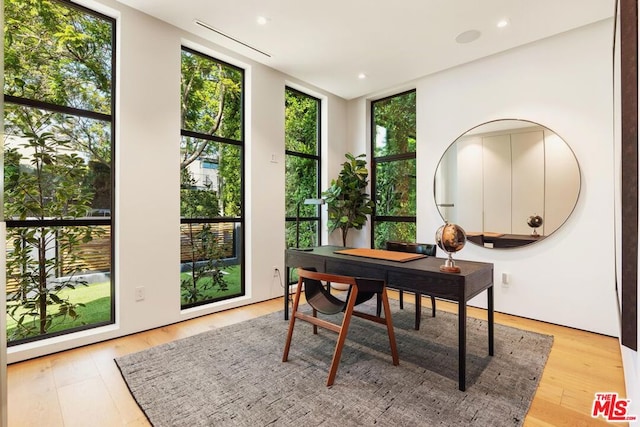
x=508 y=183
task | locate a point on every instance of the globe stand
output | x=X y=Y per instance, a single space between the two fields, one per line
x=450 y=266
x=535 y=233
x=450 y=238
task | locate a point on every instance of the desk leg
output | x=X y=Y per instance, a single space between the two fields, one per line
x=462 y=344
x=286 y=293
x=490 y=317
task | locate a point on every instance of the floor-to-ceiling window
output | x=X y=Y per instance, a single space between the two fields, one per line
x=302 y=158
x=59 y=85
x=211 y=180
x=393 y=168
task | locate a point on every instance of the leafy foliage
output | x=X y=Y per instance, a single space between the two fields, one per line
x=211 y=107
x=347 y=202
x=211 y=100
x=211 y=95
x=301 y=122
x=205 y=247
x=206 y=265
x=230 y=169
x=395 y=167
x=46 y=184
x=301 y=179
x=57 y=54
x=393 y=231
x=395 y=125
x=57 y=166
x=197 y=202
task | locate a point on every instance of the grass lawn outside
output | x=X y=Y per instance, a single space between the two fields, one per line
x=231 y=277
x=97 y=300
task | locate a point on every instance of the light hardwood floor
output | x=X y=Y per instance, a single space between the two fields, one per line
x=83 y=387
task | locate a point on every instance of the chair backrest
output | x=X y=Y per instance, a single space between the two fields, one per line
x=415 y=248
x=320 y=298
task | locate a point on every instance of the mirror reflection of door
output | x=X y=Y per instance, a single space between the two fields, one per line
x=497 y=176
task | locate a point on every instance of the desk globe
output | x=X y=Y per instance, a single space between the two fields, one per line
x=450 y=238
x=534 y=221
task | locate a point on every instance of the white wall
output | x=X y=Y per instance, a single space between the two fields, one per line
x=357 y=143
x=565 y=84
x=334 y=146
x=147 y=199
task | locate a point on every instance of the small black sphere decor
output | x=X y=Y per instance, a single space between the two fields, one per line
x=534 y=221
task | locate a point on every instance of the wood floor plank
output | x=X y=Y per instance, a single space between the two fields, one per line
x=130 y=412
x=541 y=413
x=32 y=395
x=71 y=367
x=88 y=402
x=43 y=391
x=549 y=392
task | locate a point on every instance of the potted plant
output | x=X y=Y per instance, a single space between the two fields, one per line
x=348 y=204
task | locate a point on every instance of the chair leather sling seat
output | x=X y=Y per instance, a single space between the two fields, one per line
x=321 y=300
x=319 y=297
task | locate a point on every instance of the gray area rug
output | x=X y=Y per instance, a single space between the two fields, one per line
x=234 y=376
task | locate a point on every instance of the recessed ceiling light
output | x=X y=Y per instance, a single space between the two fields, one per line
x=362 y=76
x=468 y=36
x=502 y=23
x=261 y=20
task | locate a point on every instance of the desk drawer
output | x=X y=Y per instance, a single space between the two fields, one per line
x=359 y=270
x=305 y=260
x=427 y=284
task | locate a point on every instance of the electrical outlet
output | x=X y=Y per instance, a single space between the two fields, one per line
x=139 y=293
x=506 y=278
x=275 y=271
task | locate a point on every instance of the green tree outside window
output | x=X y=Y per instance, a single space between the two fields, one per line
x=211 y=161
x=394 y=168
x=302 y=163
x=58 y=122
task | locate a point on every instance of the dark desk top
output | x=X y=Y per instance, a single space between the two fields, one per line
x=421 y=275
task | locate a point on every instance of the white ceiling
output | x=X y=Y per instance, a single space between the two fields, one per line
x=328 y=43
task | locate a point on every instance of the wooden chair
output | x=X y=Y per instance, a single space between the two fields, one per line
x=321 y=300
x=418 y=248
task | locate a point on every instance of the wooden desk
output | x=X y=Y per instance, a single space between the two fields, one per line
x=422 y=275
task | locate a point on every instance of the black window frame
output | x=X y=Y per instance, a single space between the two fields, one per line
x=240 y=248
x=318 y=159
x=109 y=221
x=375 y=161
